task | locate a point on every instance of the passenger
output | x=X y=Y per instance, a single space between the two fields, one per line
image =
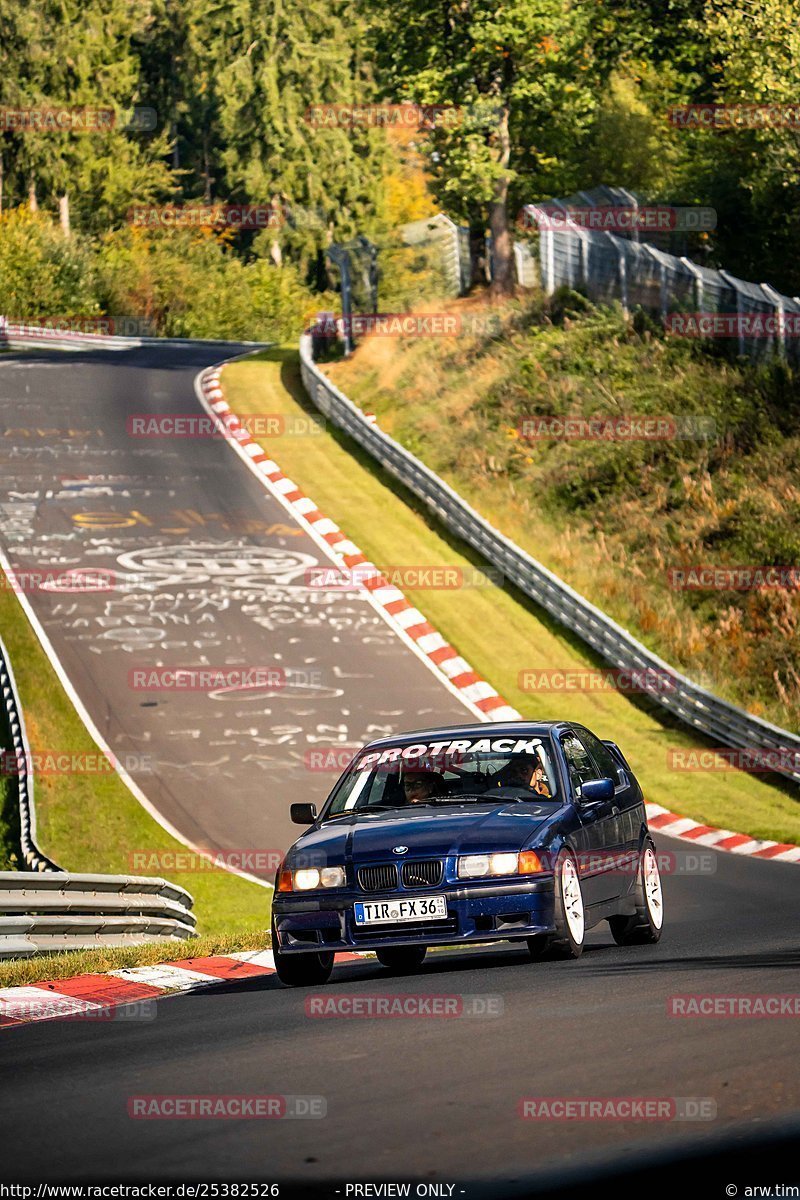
x=524 y=771
x=540 y=784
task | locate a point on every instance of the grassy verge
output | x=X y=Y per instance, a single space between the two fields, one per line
x=497 y=630
x=92 y=822
x=10 y=857
x=616 y=518
x=22 y=971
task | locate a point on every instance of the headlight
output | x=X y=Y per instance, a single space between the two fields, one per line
x=309 y=878
x=479 y=866
x=306 y=879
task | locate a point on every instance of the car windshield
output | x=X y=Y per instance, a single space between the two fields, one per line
x=455 y=771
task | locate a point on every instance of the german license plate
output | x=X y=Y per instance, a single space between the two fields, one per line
x=394 y=912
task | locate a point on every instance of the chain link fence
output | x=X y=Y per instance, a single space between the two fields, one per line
x=453 y=242
x=692 y=300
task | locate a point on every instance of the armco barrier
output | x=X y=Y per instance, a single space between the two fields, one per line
x=15 y=720
x=45 y=908
x=32 y=337
x=17 y=336
x=60 y=911
x=724 y=723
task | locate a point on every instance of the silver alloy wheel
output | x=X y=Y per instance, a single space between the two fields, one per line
x=651 y=881
x=573 y=900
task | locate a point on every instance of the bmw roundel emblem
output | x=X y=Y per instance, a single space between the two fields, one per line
x=400 y=849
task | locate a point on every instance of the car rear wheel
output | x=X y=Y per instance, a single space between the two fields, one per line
x=402 y=959
x=647 y=923
x=570 y=916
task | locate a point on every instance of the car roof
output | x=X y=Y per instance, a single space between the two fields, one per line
x=478 y=729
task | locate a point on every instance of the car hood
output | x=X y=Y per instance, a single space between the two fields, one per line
x=452 y=829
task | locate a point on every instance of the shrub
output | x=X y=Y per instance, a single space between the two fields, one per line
x=43 y=273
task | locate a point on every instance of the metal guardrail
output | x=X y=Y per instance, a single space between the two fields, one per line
x=46 y=908
x=692 y=704
x=61 y=911
x=26 y=337
x=20 y=750
x=16 y=336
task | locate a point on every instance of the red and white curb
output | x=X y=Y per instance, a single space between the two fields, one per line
x=406 y=620
x=671 y=825
x=479 y=695
x=95 y=997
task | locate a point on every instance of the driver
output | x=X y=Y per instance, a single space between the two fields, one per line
x=524 y=771
x=419 y=786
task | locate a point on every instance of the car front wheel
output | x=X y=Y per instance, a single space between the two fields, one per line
x=646 y=924
x=570 y=917
x=301 y=970
x=304 y=970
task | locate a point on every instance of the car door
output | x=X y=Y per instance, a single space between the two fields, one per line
x=628 y=799
x=597 y=838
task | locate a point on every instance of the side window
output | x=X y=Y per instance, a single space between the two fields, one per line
x=601 y=754
x=581 y=767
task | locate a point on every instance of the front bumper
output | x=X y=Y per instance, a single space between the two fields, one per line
x=476 y=912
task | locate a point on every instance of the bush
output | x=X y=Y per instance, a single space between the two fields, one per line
x=43 y=273
x=189 y=283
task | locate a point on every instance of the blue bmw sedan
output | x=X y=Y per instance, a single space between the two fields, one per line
x=521 y=831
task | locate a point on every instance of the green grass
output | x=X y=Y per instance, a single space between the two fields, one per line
x=10 y=856
x=498 y=631
x=612 y=517
x=20 y=972
x=92 y=823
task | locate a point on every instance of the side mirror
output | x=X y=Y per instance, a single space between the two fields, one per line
x=303 y=814
x=596 y=791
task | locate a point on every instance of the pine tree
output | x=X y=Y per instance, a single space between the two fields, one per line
x=66 y=55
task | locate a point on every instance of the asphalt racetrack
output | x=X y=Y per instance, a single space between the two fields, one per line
x=437 y=1098
x=434 y=1099
x=205 y=569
